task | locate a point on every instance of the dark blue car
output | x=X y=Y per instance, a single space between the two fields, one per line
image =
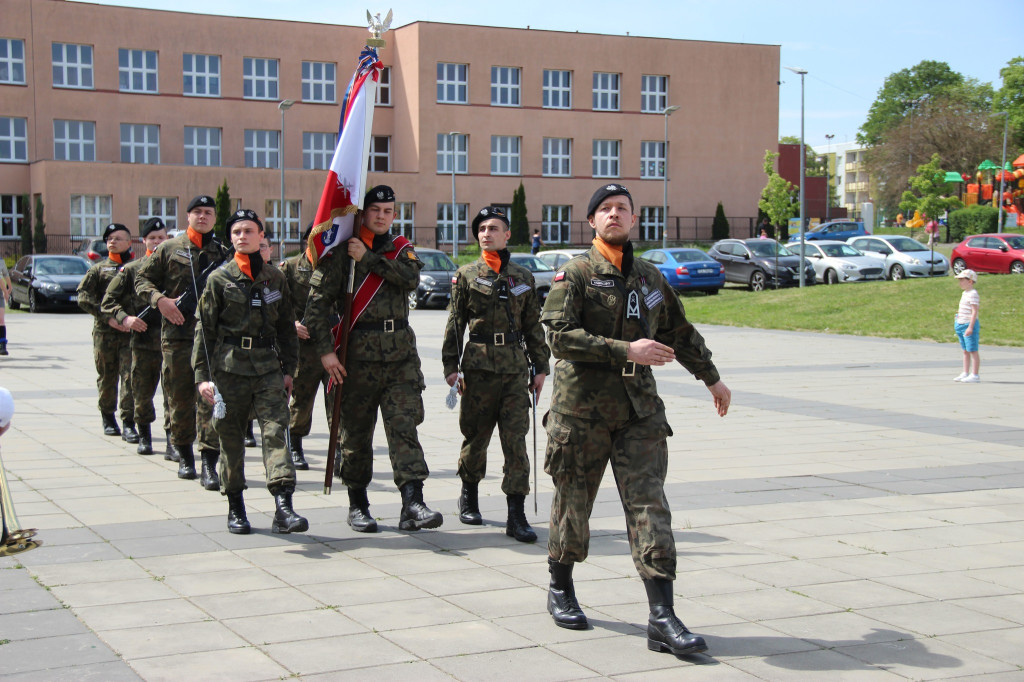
x=688 y=269
x=839 y=230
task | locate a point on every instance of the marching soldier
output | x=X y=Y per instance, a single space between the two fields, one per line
x=383 y=366
x=497 y=300
x=110 y=338
x=611 y=317
x=123 y=304
x=173 y=271
x=245 y=348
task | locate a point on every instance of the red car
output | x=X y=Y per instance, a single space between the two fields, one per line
x=990 y=253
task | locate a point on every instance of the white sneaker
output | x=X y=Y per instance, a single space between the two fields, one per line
x=961 y=376
x=970 y=379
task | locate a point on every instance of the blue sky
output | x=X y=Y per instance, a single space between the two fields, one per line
x=848 y=48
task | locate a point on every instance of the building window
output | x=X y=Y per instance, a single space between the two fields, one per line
x=140 y=143
x=289 y=230
x=74 y=140
x=556 y=160
x=555 y=221
x=405 y=219
x=202 y=146
x=12 y=61
x=447 y=154
x=505 y=86
x=13 y=139
x=318 y=150
x=652 y=159
x=606 y=91
x=654 y=94
x=606 y=159
x=200 y=75
x=319 y=83
x=380 y=154
x=137 y=70
x=384 y=88
x=72 y=65
x=504 y=155
x=12 y=215
x=262 y=148
x=90 y=213
x=652 y=222
x=452 y=83
x=557 y=89
x=259 y=78
x=164 y=208
x=444 y=222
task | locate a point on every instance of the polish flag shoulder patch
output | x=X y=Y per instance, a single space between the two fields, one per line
x=455 y=280
x=560 y=276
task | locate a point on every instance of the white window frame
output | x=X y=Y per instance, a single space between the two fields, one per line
x=556 y=157
x=262 y=148
x=200 y=147
x=606 y=158
x=141 y=72
x=653 y=94
x=652 y=223
x=557 y=89
x=606 y=91
x=257 y=81
x=556 y=223
x=200 y=75
x=12 y=66
x=318 y=150
x=72 y=62
x=652 y=159
x=292 y=219
x=452 y=83
x=405 y=219
x=90 y=213
x=12 y=215
x=383 y=96
x=444 y=222
x=77 y=136
x=380 y=161
x=445 y=154
x=506 y=86
x=140 y=143
x=320 y=82
x=505 y=154
x=164 y=208
x=13 y=139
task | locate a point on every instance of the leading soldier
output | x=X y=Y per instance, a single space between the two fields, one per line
x=611 y=317
x=497 y=300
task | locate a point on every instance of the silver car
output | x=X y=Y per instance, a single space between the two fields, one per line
x=543 y=275
x=556 y=257
x=836 y=262
x=901 y=257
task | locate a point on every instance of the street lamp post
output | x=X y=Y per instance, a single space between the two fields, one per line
x=664 y=228
x=284 y=105
x=1002 y=167
x=455 y=215
x=803 y=171
x=828 y=194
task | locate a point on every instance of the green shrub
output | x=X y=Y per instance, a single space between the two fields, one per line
x=973 y=220
x=720 y=225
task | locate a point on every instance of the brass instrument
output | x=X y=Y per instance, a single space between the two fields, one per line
x=14 y=540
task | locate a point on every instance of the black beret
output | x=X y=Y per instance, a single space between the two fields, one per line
x=605 y=192
x=201 y=200
x=114 y=227
x=486 y=213
x=152 y=225
x=307 y=231
x=381 y=194
x=242 y=214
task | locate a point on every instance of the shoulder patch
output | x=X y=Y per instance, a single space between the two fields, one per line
x=315 y=278
x=411 y=255
x=560 y=275
x=455 y=279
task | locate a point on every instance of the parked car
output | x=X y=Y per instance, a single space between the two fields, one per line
x=836 y=262
x=760 y=263
x=902 y=257
x=688 y=269
x=435 y=287
x=42 y=281
x=543 y=274
x=990 y=253
x=837 y=230
x=94 y=250
x=556 y=257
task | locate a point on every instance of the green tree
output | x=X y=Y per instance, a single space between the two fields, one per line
x=520 y=224
x=778 y=198
x=720 y=225
x=222 y=204
x=1010 y=98
x=929 y=193
x=26 y=226
x=39 y=239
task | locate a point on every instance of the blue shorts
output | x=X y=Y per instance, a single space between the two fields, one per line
x=968 y=343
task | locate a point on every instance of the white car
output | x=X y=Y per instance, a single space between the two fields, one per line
x=902 y=257
x=836 y=262
x=556 y=257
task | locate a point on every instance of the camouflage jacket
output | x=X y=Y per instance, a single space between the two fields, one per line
x=585 y=314
x=169 y=272
x=121 y=300
x=327 y=292
x=92 y=289
x=233 y=308
x=476 y=303
x=298 y=270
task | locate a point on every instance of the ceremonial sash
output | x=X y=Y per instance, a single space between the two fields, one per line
x=368 y=288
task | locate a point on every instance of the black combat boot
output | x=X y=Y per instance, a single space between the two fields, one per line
x=298 y=456
x=415 y=513
x=517 y=526
x=129 y=434
x=186 y=462
x=469 y=505
x=145 y=440
x=250 y=437
x=237 y=521
x=359 y=512
x=110 y=424
x=170 y=454
x=3 y=347
x=562 y=604
x=285 y=518
x=209 y=479
x=665 y=632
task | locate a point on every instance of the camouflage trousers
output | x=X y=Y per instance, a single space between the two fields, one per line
x=265 y=396
x=496 y=399
x=147 y=366
x=187 y=409
x=309 y=377
x=113 y=356
x=397 y=389
x=577 y=454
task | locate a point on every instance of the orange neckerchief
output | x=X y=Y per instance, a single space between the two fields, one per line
x=493 y=260
x=116 y=257
x=242 y=261
x=309 y=256
x=612 y=252
x=149 y=252
x=366 y=236
x=195 y=237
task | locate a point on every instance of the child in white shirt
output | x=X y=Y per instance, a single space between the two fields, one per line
x=968 y=327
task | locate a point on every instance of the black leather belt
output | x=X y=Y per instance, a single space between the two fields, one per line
x=247 y=342
x=629 y=370
x=499 y=339
x=388 y=326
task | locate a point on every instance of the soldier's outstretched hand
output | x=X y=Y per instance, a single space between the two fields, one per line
x=167 y=308
x=206 y=390
x=650 y=352
x=723 y=397
x=332 y=365
x=452 y=378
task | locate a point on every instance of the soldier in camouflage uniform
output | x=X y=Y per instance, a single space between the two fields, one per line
x=611 y=317
x=110 y=339
x=245 y=346
x=383 y=366
x=123 y=304
x=497 y=300
x=171 y=271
